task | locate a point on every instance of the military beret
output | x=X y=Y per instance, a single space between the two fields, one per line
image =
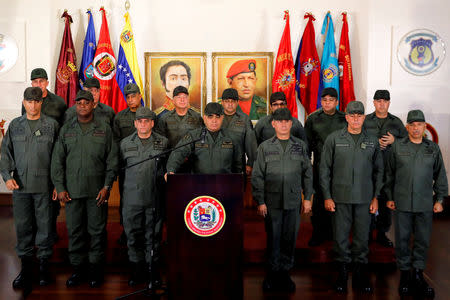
x=32 y=93
x=180 y=90
x=38 y=73
x=91 y=83
x=282 y=114
x=355 y=107
x=277 y=96
x=241 y=66
x=382 y=94
x=131 y=88
x=213 y=108
x=86 y=95
x=329 y=91
x=230 y=94
x=144 y=112
x=415 y=116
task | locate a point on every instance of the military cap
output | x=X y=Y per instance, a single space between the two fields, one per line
x=86 y=95
x=355 y=107
x=282 y=114
x=38 y=73
x=277 y=96
x=241 y=66
x=131 y=88
x=329 y=91
x=213 y=108
x=91 y=83
x=32 y=93
x=382 y=94
x=144 y=112
x=180 y=89
x=230 y=94
x=415 y=116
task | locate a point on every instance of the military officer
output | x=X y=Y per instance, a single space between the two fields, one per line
x=414 y=172
x=141 y=196
x=101 y=111
x=351 y=177
x=211 y=149
x=264 y=129
x=240 y=127
x=25 y=167
x=282 y=171
x=124 y=126
x=387 y=128
x=318 y=126
x=84 y=166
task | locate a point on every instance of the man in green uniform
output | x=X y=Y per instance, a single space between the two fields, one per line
x=124 y=126
x=25 y=167
x=318 y=126
x=264 y=129
x=84 y=166
x=282 y=171
x=101 y=111
x=240 y=127
x=141 y=197
x=211 y=149
x=387 y=128
x=351 y=177
x=414 y=172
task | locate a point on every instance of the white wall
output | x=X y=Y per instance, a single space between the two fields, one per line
x=236 y=25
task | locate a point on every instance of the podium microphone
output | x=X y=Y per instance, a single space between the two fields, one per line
x=203 y=135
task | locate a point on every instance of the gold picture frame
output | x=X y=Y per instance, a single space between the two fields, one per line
x=192 y=69
x=263 y=69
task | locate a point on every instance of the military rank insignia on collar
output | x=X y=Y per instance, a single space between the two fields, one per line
x=37 y=133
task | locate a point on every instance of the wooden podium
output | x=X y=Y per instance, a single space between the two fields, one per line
x=205 y=236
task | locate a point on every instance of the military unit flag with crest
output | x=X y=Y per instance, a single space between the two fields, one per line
x=86 y=68
x=284 y=75
x=346 y=90
x=66 y=85
x=127 y=67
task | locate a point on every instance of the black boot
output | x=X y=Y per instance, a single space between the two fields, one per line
x=269 y=283
x=420 y=285
x=95 y=275
x=341 y=281
x=137 y=274
x=405 y=283
x=361 y=279
x=156 y=275
x=44 y=274
x=77 y=277
x=383 y=240
x=287 y=284
x=24 y=280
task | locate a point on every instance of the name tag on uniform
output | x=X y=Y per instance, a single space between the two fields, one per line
x=365 y=145
x=99 y=133
x=342 y=145
x=227 y=145
x=201 y=145
x=131 y=149
x=70 y=134
x=37 y=133
x=239 y=123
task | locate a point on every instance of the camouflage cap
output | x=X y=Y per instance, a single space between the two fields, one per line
x=131 y=88
x=180 y=90
x=282 y=114
x=86 y=95
x=39 y=73
x=355 y=107
x=329 y=91
x=144 y=112
x=230 y=94
x=276 y=97
x=213 y=108
x=382 y=94
x=32 y=93
x=91 y=83
x=415 y=116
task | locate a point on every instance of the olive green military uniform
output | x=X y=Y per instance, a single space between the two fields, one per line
x=264 y=129
x=279 y=177
x=141 y=195
x=352 y=175
x=241 y=129
x=101 y=112
x=53 y=106
x=379 y=127
x=258 y=109
x=83 y=163
x=214 y=156
x=318 y=127
x=26 y=157
x=123 y=124
x=413 y=173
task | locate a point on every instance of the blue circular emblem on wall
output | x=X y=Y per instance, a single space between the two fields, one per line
x=421 y=52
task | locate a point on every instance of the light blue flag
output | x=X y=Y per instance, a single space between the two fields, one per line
x=86 y=69
x=329 y=64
